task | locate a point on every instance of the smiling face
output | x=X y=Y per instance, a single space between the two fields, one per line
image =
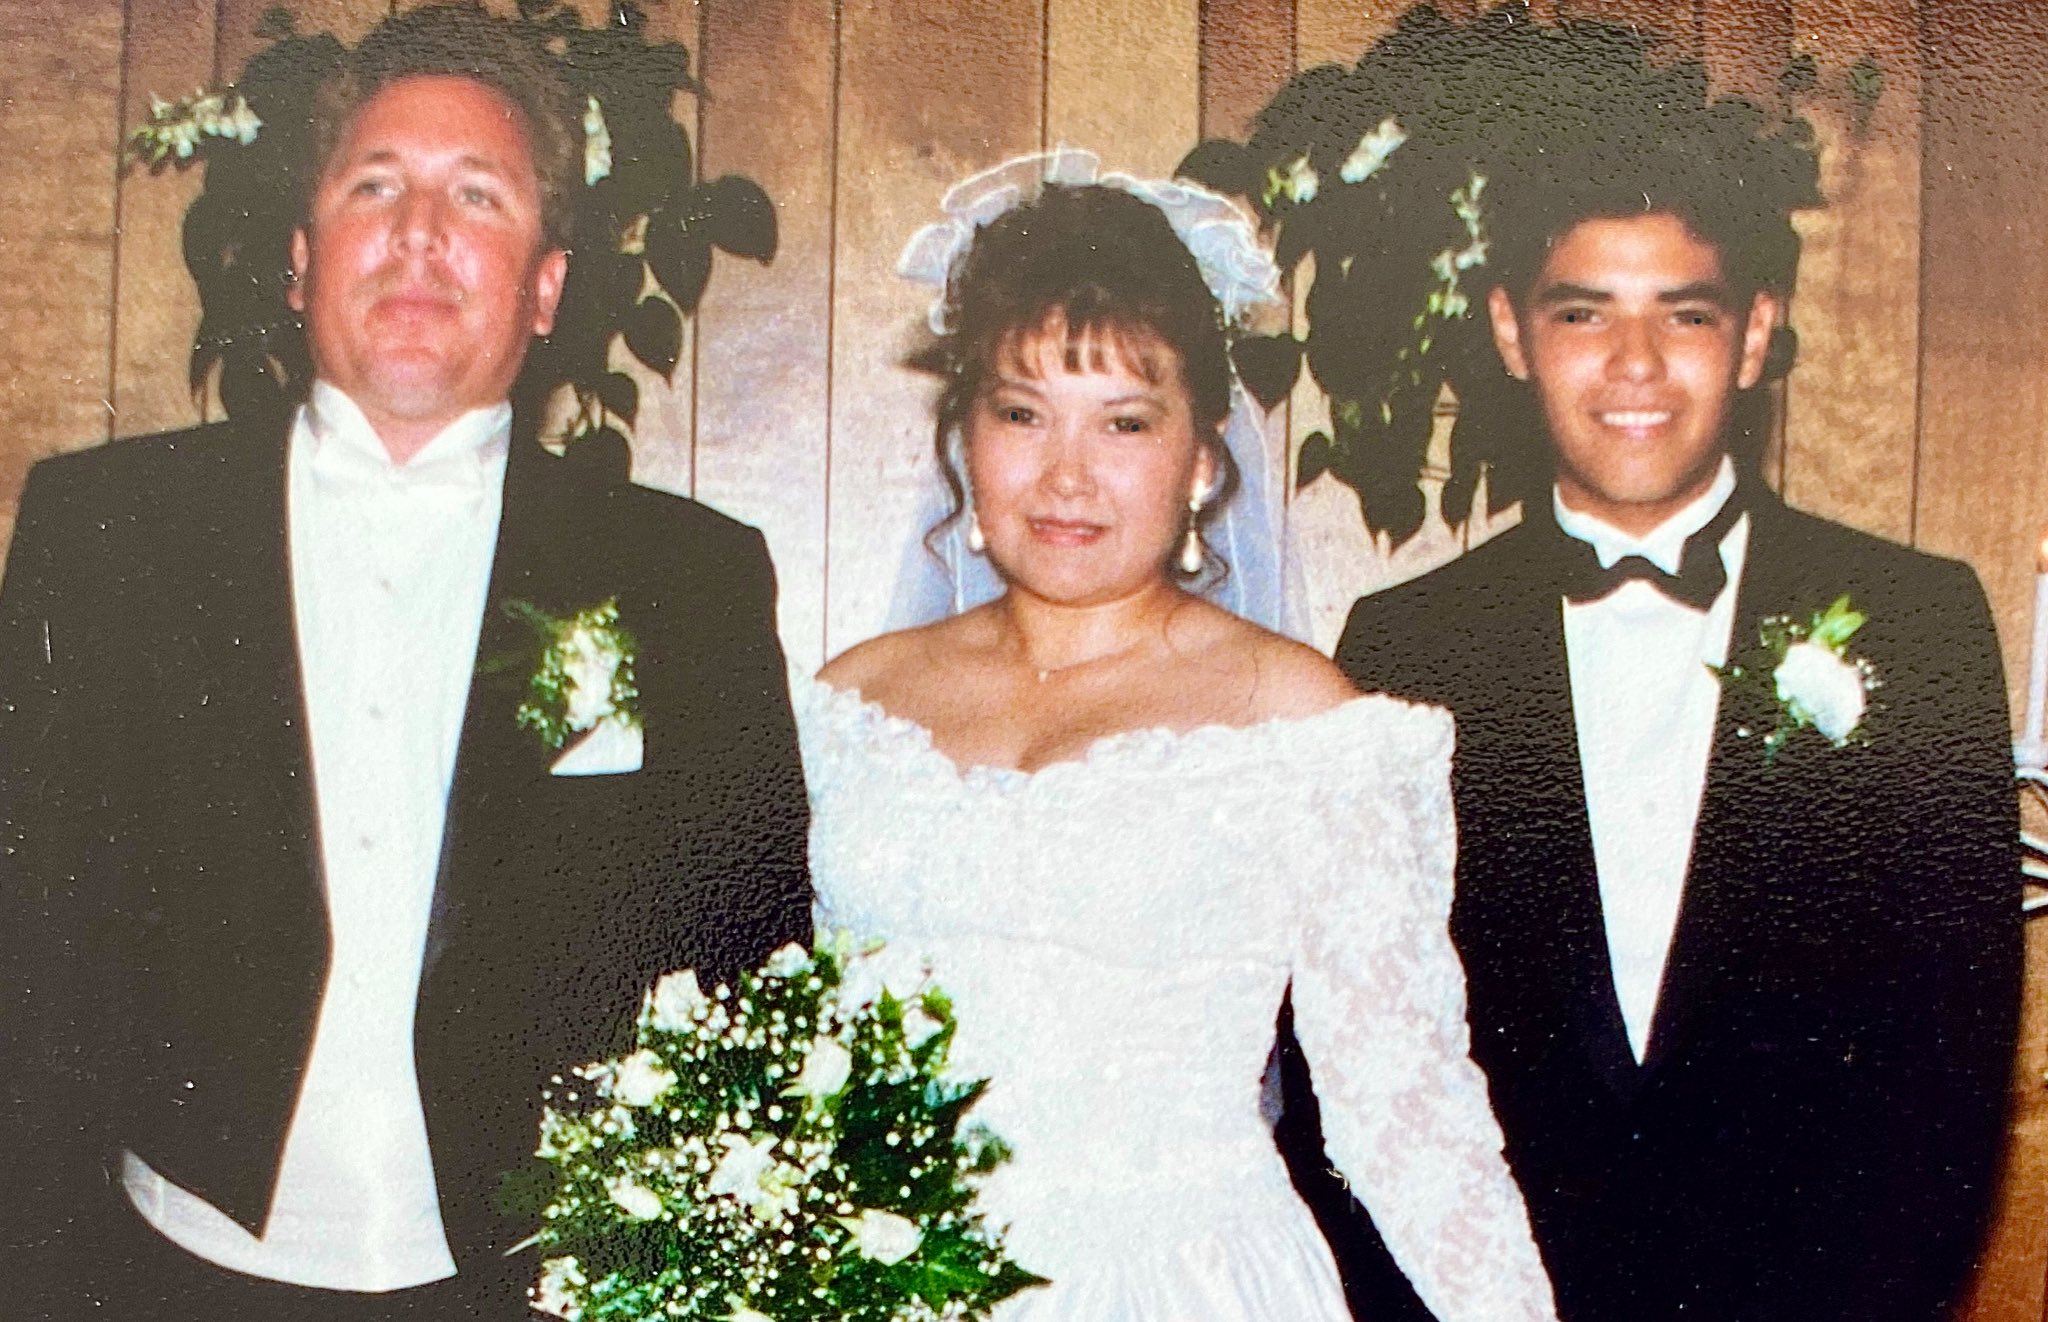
x=1636 y=346
x=1081 y=459
x=421 y=272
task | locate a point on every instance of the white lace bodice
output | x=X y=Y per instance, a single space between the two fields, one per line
x=1117 y=933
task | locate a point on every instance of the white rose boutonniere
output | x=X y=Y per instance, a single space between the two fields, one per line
x=1807 y=678
x=585 y=674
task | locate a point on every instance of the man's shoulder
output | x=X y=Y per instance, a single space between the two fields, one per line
x=1423 y=637
x=677 y=532
x=1476 y=581
x=158 y=455
x=1863 y=562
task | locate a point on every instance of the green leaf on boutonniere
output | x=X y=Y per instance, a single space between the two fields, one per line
x=1835 y=626
x=1799 y=676
x=584 y=674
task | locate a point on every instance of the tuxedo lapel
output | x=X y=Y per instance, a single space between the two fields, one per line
x=1739 y=800
x=530 y=562
x=243 y=635
x=1523 y=789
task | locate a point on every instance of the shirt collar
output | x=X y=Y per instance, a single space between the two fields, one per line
x=1664 y=545
x=345 y=445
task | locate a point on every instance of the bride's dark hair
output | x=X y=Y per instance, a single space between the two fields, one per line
x=1108 y=268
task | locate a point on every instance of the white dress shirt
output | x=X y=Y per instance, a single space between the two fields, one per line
x=1644 y=704
x=390 y=565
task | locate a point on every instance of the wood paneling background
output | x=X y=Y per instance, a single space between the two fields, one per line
x=1916 y=411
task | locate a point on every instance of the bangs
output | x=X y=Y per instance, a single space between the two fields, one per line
x=1101 y=342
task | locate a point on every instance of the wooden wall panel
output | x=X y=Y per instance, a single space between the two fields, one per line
x=1247 y=55
x=927 y=95
x=236 y=40
x=1745 y=44
x=1852 y=405
x=1675 y=23
x=1123 y=80
x=60 y=115
x=168 y=53
x=1982 y=483
x=764 y=333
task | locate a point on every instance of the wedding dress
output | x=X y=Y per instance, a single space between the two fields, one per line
x=1116 y=933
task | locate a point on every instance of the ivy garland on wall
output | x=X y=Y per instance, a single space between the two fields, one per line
x=1378 y=182
x=646 y=225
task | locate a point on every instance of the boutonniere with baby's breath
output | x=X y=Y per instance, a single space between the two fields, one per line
x=1800 y=671
x=584 y=674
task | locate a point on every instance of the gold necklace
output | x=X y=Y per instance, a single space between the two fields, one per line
x=1048 y=672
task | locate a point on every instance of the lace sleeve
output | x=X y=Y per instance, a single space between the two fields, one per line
x=1379 y=1003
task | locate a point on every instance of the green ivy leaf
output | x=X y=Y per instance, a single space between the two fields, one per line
x=654 y=335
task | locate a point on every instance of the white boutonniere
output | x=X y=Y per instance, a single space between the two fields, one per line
x=1805 y=677
x=584 y=679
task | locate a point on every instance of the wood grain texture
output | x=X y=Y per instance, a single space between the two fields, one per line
x=1675 y=24
x=60 y=115
x=928 y=94
x=1852 y=404
x=1982 y=485
x=1124 y=81
x=764 y=333
x=236 y=39
x=169 y=53
x=1247 y=55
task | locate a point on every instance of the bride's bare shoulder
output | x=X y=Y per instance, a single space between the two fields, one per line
x=1284 y=679
x=895 y=661
x=1296 y=680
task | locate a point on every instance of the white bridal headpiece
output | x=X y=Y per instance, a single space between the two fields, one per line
x=1239 y=272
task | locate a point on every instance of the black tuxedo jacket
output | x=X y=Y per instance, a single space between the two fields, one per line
x=1815 y=1130
x=164 y=928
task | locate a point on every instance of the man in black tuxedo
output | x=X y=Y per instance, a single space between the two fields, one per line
x=1747 y=1013
x=299 y=915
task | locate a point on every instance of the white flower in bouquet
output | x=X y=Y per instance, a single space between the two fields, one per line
x=559 y=1292
x=638 y=1080
x=750 y=1173
x=867 y=975
x=1819 y=686
x=673 y=1004
x=919 y=1025
x=688 y=1189
x=787 y=962
x=886 y=1237
x=635 y=1200
x=825 y=1071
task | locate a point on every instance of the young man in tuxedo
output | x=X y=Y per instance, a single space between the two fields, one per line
x=1747 y=1013
x=299 y=916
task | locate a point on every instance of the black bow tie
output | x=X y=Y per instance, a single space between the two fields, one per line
x=1699 y=579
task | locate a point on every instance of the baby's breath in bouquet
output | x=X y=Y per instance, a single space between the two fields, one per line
x=790 y=1150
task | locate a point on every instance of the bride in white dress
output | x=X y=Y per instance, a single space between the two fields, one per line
x=1119 y=821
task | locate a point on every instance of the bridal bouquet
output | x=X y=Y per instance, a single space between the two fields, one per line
x=790 y=1150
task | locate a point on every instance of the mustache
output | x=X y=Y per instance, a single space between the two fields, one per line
x=413 y=281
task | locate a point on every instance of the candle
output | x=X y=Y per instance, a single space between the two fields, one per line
x=2033 y=748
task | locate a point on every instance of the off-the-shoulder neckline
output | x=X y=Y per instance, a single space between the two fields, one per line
x=1155 y=739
